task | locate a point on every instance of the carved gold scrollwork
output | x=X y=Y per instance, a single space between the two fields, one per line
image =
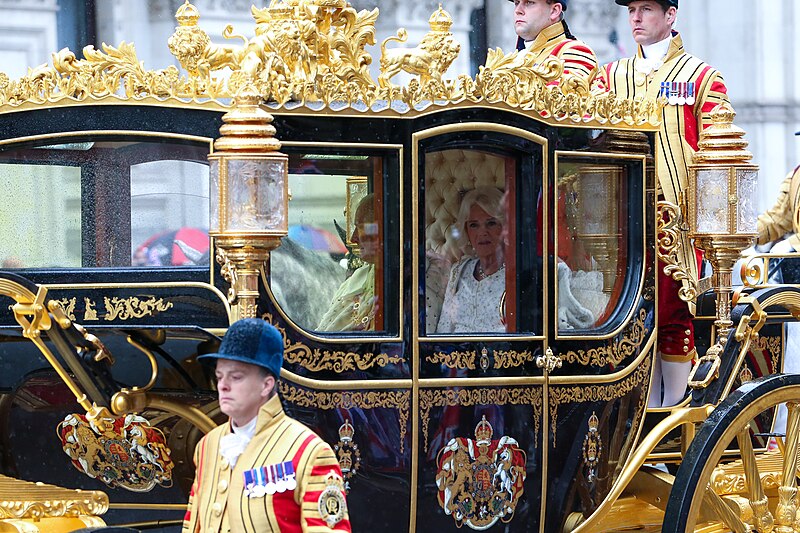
x=27 y=500
x=430 y=398
x=671 y=229
x=317 y=360
x=399 y=400
x=558 y=395
x=134 y=307
x=303 y=54
x=613 y=354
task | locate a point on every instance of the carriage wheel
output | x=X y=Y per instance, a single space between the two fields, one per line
x=763 y=502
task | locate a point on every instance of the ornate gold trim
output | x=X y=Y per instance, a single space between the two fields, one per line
x=317 y=360
x=615 y=352
x=671 y=228
x=399 y=400
x=430 y=398
x=502 y=359
x=26 y=500
x=600 y=393
x=306 y=55
x=116 y=308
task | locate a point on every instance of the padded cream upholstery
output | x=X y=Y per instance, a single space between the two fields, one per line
x=449 y=175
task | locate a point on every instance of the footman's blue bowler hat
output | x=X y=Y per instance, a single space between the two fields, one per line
x=252 y=341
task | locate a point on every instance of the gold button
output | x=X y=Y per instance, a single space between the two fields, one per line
x=688 y=332
x=223 y=486
x=216 y=509
x=685 y=348
x=223 y=464
x=686 y=341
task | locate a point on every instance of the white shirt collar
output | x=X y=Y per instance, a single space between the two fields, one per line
x=653 y=56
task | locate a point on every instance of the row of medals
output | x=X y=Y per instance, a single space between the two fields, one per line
x=259 y=482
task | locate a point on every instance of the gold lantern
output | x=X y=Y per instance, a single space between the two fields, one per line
x=722 y=210
x=249 y=198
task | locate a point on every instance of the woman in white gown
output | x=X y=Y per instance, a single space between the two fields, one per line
x=473 y=299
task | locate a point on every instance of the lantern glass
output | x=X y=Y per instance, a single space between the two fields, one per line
x=256 y=195
x=747 y=184
x=213 y=197
x=712 y=200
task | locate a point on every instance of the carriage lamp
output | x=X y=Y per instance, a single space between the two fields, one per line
x=598 y=223
x=249 y=198
x=722 y=211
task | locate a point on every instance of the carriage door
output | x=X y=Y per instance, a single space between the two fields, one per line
x=478 y=326
x=603 y=324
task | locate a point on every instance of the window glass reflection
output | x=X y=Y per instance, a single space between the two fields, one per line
x=328 y=273
x=591 y=240
x=105 y=203
x=470 y=266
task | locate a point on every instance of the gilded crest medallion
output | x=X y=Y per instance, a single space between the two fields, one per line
x=121 y=452
x=331 y=503
x=480 y=481
x=347 y=453
x=592 y=449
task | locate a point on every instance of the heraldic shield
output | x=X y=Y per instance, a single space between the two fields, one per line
x=480 y=481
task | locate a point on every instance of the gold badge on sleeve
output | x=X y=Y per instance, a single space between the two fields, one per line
x=331 y=502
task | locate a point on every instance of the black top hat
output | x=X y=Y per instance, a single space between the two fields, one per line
x=564 y=3
x=668 y=3
x=252 y=341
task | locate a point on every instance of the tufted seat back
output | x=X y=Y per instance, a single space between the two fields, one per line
x=449 y=174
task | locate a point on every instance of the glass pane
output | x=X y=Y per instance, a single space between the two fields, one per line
x=169 y=214
x=40 y=223
x=328 y=274
x=712 y=200
x=105 y=203
x=469 y=266
x=591 y=240
x=748 y=200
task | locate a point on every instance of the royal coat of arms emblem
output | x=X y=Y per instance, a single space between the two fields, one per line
x=123 y=451
x=480 y=481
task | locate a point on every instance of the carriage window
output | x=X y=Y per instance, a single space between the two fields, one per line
x=591 y=240
x=41 y=217
x=105 y=203
x=470 y=237
x=328 y=274
x=169 y=213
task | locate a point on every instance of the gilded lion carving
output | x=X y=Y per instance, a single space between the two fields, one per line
x=429 y=60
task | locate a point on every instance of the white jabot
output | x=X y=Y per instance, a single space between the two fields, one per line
x=653 y=56
x=233 y=444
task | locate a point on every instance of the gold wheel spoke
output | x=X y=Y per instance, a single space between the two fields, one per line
x=764 y=522
x=725 y=514
x=786 y=510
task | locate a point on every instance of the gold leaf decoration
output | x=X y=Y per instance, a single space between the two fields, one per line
x=617 y=351
x=558 y=395
x=511 y=359
x=399 y=400
x=465 y=360
x=317 y=360
x=134 y=307
x=303 y=55
x=430 y=398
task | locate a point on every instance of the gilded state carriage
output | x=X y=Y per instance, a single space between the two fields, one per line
x=147 y=209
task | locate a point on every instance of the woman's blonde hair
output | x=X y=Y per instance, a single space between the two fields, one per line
x=488 y=198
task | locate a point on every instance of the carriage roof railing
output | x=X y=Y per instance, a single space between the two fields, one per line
x=311 y=55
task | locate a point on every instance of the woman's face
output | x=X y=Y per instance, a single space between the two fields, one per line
x=485 y=232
